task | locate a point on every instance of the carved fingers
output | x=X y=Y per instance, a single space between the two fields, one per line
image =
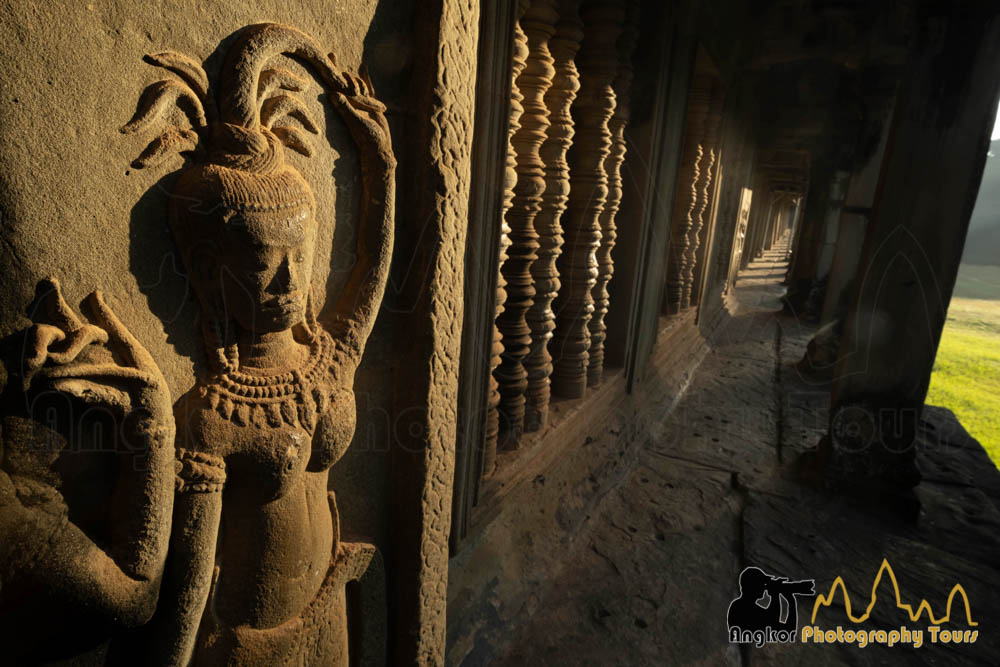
x=363 y=114
x=136 y=354
x=61 y=341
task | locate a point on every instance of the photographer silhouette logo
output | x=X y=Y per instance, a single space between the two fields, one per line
x=765 y=611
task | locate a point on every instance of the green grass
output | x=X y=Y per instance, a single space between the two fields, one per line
x=966 y=376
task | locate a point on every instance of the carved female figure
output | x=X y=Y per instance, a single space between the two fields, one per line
x=256 y=571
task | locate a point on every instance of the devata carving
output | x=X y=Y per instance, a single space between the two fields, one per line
x=255 y=571
x=86 y=484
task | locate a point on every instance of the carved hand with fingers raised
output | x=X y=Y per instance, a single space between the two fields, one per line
x=104 y=567
x=55 y=357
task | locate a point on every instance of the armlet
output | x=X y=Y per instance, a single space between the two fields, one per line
x=198 y=472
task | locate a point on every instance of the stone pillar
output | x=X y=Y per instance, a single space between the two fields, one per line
x=758 y=213
x=853 y=223
x=622 y=86
x=763 y=225
x=739 y=238
x=710 y=158
x=927 y=189
x=777 y=214
x=796 y=233
x=525 y=199
x=794 y=224
x=687 y=192
x=563 y=46
x=777 y=222
x=805 y=255
x=597 y=62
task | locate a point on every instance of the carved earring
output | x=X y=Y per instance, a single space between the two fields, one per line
x=310 y=322
x=215 y=344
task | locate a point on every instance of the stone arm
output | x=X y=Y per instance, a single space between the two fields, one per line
x=118 y=580
x=352 y=318
x=187 y=581
x=64 y=561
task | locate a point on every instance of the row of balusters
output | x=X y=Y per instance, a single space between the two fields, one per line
x=571 y=79
x=699 y=162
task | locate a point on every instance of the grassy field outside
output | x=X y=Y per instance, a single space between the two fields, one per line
x=966 y=377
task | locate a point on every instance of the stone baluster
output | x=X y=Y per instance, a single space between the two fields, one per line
x=594 y=107
x=519 y=56
x=493 y=404
x=563 y=45
x=622 y=86
x=687 y=193
x=710 y=155
x=532 y=81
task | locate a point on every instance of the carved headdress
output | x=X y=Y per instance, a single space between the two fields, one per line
x=236 y=139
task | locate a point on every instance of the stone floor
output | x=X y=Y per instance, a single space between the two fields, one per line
x=714 y=491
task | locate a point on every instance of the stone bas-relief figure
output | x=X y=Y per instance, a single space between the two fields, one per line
x=255 y=571
x=86 y=485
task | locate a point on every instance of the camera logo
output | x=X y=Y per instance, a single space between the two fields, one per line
x=765 y=611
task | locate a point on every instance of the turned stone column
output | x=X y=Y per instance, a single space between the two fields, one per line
x=594 y=107
x=493 y=405
x=563 y=47
x=709 y=159
x=622 y=86
x=516 y=270
x=687 y=193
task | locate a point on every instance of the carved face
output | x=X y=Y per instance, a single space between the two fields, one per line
x=266 y=267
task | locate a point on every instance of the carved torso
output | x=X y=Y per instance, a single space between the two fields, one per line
x=277 y=436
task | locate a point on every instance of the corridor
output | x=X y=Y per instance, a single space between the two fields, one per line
x=715 y=489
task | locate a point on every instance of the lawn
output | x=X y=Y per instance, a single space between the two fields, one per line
x=966 y=376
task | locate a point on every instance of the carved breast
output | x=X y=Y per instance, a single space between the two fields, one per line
x=334 y=431
x=277 y=427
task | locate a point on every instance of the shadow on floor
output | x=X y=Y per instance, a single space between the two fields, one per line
x=650 y=580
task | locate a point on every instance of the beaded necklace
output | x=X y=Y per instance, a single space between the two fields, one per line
x=294 y=397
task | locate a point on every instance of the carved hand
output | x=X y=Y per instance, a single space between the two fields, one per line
x=136 y=389
x=351 y=320
x=118 y=580
x=364 y=115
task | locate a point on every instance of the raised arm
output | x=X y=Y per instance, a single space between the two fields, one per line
x=354 y=313
x=118 y=579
